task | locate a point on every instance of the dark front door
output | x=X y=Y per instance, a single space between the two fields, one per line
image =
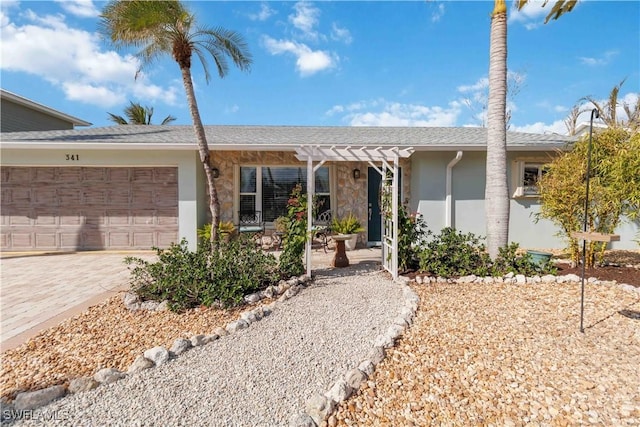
x=374 y=224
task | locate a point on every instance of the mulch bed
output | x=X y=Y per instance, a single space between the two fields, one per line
x=620 y=274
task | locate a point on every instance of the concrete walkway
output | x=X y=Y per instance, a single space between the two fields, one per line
x=38 y=291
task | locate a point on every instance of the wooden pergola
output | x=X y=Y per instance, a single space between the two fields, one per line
x=385 y=160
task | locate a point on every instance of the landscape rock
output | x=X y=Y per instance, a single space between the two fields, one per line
x=339 y=392
x=376 y=355
x=35 y=399
x=521 y=279
x=252 y=298
x=237 y=326
x=302 y=420
x=221 y=332
x=163 y=306
x=573 y=278
x=198 y=340
x=258 y=313
x=108 y=375
x=269 y=292
x=131 y=301
x=180 y=345
x=81 y=384
x=249 y=317
x=354 y=378
x=140 y=364
x=158 y=355
x=319 y=408
x=548 y=278
x=149 y=305
x=367 y=367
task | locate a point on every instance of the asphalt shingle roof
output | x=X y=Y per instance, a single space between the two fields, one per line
x=275 y=137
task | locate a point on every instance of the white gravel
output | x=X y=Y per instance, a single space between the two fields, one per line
x=260 y=376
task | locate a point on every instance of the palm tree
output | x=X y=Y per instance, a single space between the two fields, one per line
x=496 y=188
x=608 y=110
x=161 y=28
x=137 y=115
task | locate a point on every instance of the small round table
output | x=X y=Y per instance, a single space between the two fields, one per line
x=340 y=259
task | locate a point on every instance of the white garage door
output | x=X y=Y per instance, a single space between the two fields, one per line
x=88 y=208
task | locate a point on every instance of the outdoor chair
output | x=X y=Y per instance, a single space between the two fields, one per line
x=251 y=223
x=321 y=228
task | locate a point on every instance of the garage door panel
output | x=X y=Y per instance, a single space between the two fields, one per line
x=95 y=196
x=117 y=217
x=46 y=240
x=45 y=175
x=70 y=208
x=166 y=175
x=45 y=195
x=22 y=241
x=143 y=176
x=94 y=175
x=119 y=196
x=68 y=175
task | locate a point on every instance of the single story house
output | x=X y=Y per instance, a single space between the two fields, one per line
x=133 y=187
x=21 y=114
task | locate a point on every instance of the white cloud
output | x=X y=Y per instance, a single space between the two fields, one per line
x=265 y=13
x=480 y=84
x=384 y=113
x=539 y=127
x=81 y=8
x=532 y=15
x=89 y=74
x=308 y=61
x=340 y=34
x=232 y=109
x=305 y=18
x=602 y=60
x=438 y=13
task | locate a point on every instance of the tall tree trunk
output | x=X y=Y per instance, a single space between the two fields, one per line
x=203 y=148
x=496 y=190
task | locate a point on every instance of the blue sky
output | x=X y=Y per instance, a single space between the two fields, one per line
x=413 y=63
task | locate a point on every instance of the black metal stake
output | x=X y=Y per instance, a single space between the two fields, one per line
x=595 y=113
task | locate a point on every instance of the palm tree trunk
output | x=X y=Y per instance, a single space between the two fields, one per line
x=496 y=189
x=203 y=148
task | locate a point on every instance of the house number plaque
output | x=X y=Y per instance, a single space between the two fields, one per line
x=72 y=157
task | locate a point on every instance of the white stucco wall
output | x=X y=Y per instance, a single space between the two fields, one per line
x=191 y=192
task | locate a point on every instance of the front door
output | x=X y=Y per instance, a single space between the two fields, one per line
x=374 y=223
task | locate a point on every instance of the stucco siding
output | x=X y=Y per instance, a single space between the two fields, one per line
x=468 y=184
x=18 y=118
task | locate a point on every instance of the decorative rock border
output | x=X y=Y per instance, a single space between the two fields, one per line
x=320 y=408
x=157 y=356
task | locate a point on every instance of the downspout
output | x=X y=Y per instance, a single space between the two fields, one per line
x=448 y=199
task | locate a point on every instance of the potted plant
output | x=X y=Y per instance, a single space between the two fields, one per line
x=348 y=225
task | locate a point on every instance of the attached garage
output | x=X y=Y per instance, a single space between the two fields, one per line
x=88 y=208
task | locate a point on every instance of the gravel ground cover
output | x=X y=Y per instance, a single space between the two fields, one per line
x=509 y=355
x=260 y=376
x=107 y=335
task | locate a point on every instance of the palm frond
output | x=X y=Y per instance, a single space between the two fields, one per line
x=117 y=119
x=168 y=120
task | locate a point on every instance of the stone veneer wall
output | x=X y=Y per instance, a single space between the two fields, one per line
x=350 y=195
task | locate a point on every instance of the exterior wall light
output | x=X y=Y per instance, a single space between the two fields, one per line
x=215 y=172
x=356 y=173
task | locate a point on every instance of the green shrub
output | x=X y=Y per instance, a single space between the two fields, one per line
x=188 y=279
x=452 y=253
x=508 y=260
x=412 y=234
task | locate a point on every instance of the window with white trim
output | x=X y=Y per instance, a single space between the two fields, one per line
x=528 y=176
x=267 y=188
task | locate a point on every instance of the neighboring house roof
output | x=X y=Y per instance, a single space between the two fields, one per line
x=279 y=138
x=4 y=94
